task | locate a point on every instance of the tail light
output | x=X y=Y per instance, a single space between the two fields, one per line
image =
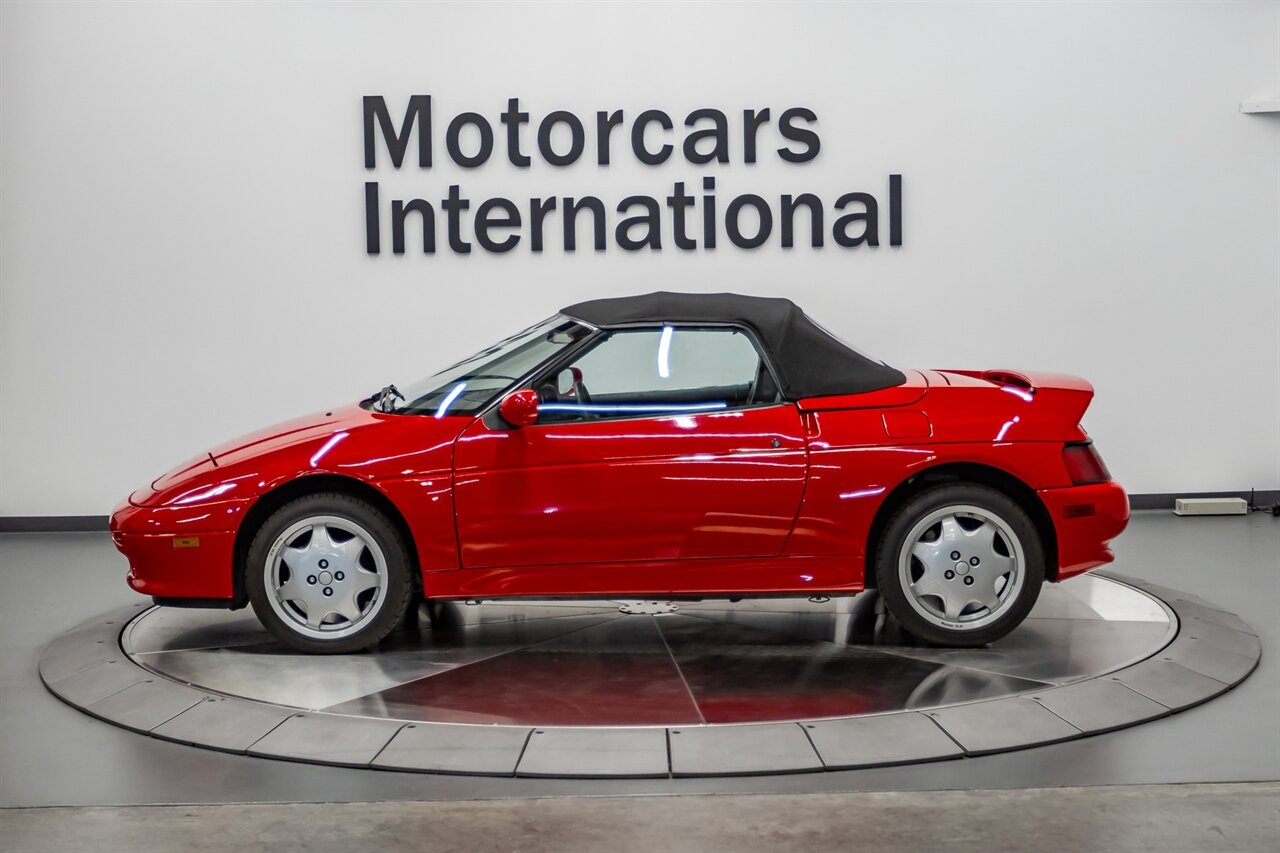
x=1084 y=465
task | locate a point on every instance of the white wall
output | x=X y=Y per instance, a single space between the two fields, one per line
x=182 y=250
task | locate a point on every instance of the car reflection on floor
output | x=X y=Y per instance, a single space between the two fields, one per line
x=685 y=663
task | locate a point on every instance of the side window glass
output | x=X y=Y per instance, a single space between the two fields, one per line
x=660 y=371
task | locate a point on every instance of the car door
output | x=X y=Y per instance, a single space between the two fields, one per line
x=655 y=444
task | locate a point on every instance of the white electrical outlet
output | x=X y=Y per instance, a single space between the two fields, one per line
x=1210 y=506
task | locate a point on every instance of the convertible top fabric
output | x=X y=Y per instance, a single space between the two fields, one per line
x=808 y=361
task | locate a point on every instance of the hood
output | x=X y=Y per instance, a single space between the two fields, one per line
x=295 y=431
x=298 y=429
x=348 y=441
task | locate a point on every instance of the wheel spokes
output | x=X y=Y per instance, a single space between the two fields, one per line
x=926 y=552
x=363 y=579
x=293 y=590
x=347 y=554
x=317 y=612
x=327 y=589
x=926 y=587
x=953 y=604
x=960 y=568
x=951 y=533
x=348 y=608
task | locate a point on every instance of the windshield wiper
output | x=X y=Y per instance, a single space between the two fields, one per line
x=386 y=399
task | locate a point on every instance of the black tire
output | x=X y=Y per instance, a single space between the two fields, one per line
x=385 y=605
x=992 y=623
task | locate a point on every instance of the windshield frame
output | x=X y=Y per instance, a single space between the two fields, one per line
x=529 y=335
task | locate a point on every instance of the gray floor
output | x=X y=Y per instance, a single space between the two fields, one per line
x=53 y=755
x=1144 y=818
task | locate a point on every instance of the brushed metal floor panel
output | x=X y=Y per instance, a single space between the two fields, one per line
x=1090 y=597
x=97 y=682
x=585 y=752
x=89 y=643
x=1100 y=705
x=1221 y=638
x=271 y=674
x=1056 y=651
x=497 y=624
x=168 y=629
x=1204 y=657
x=1191 y=614
x=1002 y=724
x=1169 y=684
x=146 y=704
x=231 y=725
x=616 y=673
x=741 y=674
x=118 y=616
x=763 y=605
x=742 y=750
x=78 y=651
x=327 y=739
x=878 y=740
x=1168 y=594
x=106 y=627
x=814 y=627
x=444 y=748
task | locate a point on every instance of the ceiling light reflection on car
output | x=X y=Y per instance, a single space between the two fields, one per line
x=1018 y=392
x=863 y=493
x=1005 y=429
x=664 y=353
x=449 y=398
x=328 y=445
x=629 y=407
x=206 y=494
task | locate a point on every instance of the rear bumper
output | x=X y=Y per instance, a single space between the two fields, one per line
x=1086 y=519
x=179 y=552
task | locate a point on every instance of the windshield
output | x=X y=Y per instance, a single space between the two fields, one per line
x=471 y=384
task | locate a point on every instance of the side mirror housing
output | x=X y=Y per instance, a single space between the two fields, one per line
x=520 y=408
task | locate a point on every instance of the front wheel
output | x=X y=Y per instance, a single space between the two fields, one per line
x=328 y=573
x=960 y=565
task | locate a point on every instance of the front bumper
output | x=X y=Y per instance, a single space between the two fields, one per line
x=179 y=551
x=1086 y=519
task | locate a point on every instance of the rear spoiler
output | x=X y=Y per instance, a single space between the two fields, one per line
x=1029 y=382
x=1057 y=398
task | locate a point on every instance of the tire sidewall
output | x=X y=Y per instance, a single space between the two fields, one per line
x=396 y=593
x=896 y=597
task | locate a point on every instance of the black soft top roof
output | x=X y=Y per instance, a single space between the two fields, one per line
x=808 y=360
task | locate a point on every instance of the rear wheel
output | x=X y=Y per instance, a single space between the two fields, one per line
x=328 y=573
x=960 y=565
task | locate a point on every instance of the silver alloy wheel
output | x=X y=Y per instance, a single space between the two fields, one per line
x=962 y=567
x=325 y=577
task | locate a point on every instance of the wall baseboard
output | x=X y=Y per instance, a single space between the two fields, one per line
x=98 y=523
x=52 y=523
x=1164 y=500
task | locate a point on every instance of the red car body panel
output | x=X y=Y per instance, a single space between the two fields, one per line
x=770 y=500
x=682 y=487
x=1086 y=518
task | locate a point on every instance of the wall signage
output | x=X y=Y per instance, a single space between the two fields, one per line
x=699 y=219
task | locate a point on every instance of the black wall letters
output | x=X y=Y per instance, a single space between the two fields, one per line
x=708 y=137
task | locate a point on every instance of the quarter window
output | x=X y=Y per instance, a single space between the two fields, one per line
x=659 y=371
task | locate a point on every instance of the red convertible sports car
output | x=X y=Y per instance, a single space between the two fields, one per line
x=661 y=446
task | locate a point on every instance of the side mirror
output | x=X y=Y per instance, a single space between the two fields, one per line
x=520 y=408
x=566 y=380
